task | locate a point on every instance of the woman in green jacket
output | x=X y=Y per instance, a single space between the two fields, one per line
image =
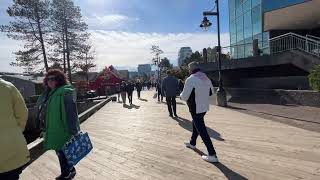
x=14 y=153
x=59 y=117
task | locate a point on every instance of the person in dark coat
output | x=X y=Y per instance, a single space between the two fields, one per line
x=123 y=92
x=138 y=88
x=130 y=89
x=170 y=88
x=158 y=89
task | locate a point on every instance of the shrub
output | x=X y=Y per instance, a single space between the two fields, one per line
x=314 y=78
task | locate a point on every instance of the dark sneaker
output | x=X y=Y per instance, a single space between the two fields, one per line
x=69 y=176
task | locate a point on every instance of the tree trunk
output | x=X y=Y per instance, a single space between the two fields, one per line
x=42 y=43
x=68 y=51
x=87 y=69
x=64 y=53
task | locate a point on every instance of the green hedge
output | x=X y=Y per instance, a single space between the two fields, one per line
x=314 y=78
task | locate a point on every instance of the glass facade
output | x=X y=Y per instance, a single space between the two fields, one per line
x=245 y=25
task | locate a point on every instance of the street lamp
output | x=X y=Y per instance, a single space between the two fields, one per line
x=205 y=24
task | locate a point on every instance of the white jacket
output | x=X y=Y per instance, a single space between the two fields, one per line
x=202 y=85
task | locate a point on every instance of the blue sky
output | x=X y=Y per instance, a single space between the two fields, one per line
x=124 y=30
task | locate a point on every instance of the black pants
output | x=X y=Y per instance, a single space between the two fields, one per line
x=160 y=95
x=139 y=93
x=130 y=97
x=64 y=166
x=11 y=175
x=172 y=105
x=199 y=128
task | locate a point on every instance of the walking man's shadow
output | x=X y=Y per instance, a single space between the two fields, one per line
x=187 y=124
x=230 y=175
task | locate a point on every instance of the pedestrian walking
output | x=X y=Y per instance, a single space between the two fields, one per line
x=170 y=89
x=159 y=92
x=130 y=89
x=118 y=91
x=13 y=146
x=196 y=92
x=123 y=92
x=59 y=117
x=138 y=88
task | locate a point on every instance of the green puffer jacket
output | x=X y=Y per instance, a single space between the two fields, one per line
x=56 y=125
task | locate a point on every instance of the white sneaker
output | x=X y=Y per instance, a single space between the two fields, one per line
x=211 y=159
x=188 y=145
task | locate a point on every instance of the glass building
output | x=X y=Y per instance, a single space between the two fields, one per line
x=246 y=18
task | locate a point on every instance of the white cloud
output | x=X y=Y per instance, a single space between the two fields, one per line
x=7 y=47
x=108 y=22
x=126 y=49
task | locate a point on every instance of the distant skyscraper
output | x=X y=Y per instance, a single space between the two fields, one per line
x=144 y=69
x=183 y=54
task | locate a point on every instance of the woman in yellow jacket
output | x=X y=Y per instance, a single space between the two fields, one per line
x=14 y=153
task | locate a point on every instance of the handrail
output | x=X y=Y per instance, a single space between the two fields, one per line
x=293 y=34
x=286 y=42
x=314 y=37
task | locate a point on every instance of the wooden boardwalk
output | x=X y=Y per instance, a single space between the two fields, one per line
x=142 y=142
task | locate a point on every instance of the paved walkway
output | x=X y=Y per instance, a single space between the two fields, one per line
x=142 y=142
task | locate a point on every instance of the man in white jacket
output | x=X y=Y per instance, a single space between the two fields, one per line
x=196 y=92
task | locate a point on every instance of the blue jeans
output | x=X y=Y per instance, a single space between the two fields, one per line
x=199 y=128
x=64 y=166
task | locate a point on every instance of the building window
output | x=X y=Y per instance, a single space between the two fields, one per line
x=232 y=9
x=248 y=50
x=256 y=3
x=239 y=11
x=247 y=6
x=256 y=20
x=233 y=32
x=240 y=28
x=241 y=50
x=247 y=25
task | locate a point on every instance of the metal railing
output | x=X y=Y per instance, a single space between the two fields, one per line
x=286 y=42
x=313 y=37
x=292 y=41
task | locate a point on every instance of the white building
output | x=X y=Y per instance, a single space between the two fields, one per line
x=184 y=53
x=144 y=69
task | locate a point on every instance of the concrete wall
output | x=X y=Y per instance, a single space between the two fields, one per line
x=293 y=82
x=280 y=97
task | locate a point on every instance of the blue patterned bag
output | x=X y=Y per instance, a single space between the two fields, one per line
x=77 y=148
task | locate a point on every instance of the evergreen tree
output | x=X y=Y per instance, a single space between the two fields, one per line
x=30 y=26
x=70 y=31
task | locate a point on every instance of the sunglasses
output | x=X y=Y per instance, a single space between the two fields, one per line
x=51 y=78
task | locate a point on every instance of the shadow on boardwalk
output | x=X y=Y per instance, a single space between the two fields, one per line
x=187 y=124
x=131 y=106
x=230 y=174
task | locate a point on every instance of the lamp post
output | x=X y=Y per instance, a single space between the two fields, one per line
x=205 y=24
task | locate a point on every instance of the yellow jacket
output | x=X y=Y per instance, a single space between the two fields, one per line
x=13 y=118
